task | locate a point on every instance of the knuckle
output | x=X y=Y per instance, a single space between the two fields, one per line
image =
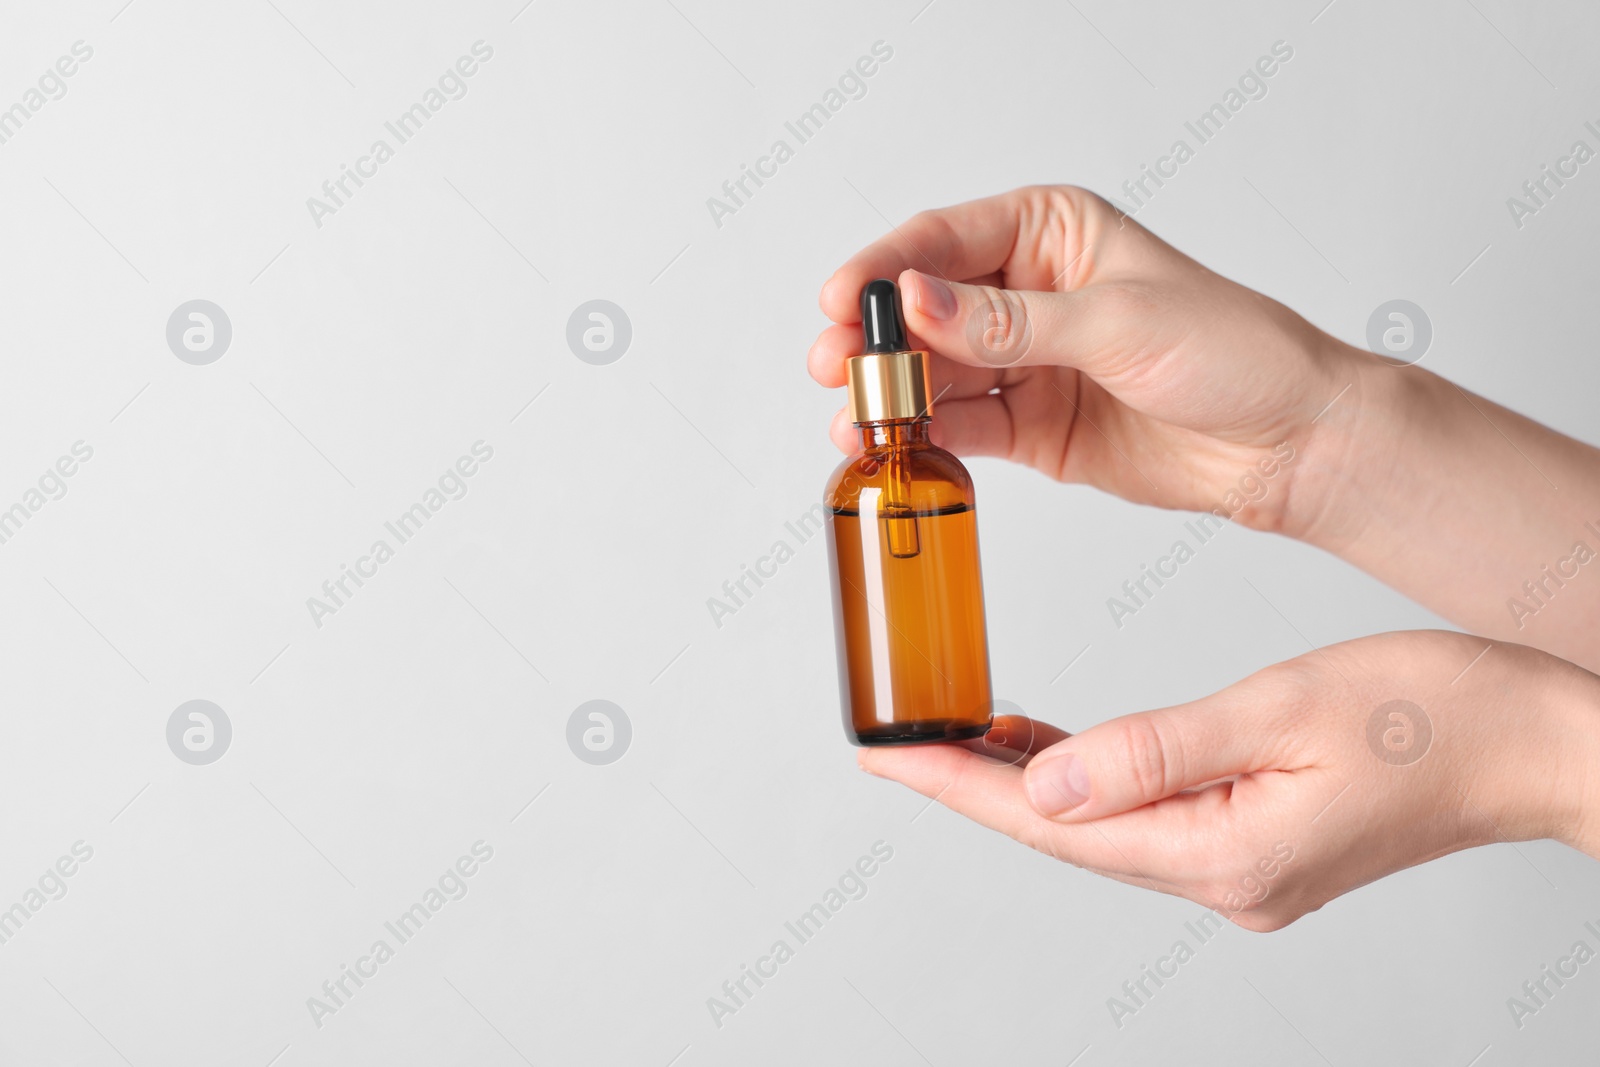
x=1076 y=212
x=932 y=230
x=1296 y=676
x=1145 y=756
x=1289 y=688
x=1085 y=203
x=1064 y=198
x=1003 y=305
x=1041 y=837
x=988 y=295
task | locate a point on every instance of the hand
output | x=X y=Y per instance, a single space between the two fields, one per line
x=1068 y=338
x=1074 y=341
x=1298 y=784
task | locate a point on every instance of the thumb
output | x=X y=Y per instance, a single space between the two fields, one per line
x=985 y=326
x=1139 y=759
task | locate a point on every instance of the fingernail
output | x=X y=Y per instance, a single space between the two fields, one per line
x=1058 y=785
x=935 y=299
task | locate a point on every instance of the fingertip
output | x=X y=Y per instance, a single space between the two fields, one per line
x=826 y=358
x=839 y=300
x=932 y=305
x=913 y=292
x=904 y=764
x=841 y=431
x=908 y=765
x=820 y=367
x=822 y=294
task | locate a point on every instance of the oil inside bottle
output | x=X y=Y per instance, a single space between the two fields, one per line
x=914 y=664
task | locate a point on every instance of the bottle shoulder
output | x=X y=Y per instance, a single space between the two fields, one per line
x=932 y=478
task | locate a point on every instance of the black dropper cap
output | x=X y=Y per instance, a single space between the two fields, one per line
x=883 y=322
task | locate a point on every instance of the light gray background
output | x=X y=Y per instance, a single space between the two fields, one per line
x=369 y=353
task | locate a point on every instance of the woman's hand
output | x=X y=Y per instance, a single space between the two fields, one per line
x=1300 y=783
x=1068 y=338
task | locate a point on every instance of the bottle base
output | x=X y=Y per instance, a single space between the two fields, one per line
x=927 y=731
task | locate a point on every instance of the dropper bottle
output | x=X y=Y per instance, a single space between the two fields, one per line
x=903 y=543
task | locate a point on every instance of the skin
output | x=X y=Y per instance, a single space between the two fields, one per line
x=1068 y=338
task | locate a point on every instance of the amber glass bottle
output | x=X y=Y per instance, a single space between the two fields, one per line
x=903 y=540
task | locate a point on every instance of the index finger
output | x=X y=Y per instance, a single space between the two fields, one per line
x=1146 y=844
x=961 y=242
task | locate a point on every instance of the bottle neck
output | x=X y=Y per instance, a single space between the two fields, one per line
x=899 y=433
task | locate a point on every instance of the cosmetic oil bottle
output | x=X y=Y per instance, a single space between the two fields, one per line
x=903 y=542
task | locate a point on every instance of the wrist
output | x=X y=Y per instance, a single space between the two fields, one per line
x=1575 y=809
x=1348 y=480
x=1533 y=774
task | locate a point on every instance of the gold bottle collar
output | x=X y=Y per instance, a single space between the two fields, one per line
x=889 y=385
